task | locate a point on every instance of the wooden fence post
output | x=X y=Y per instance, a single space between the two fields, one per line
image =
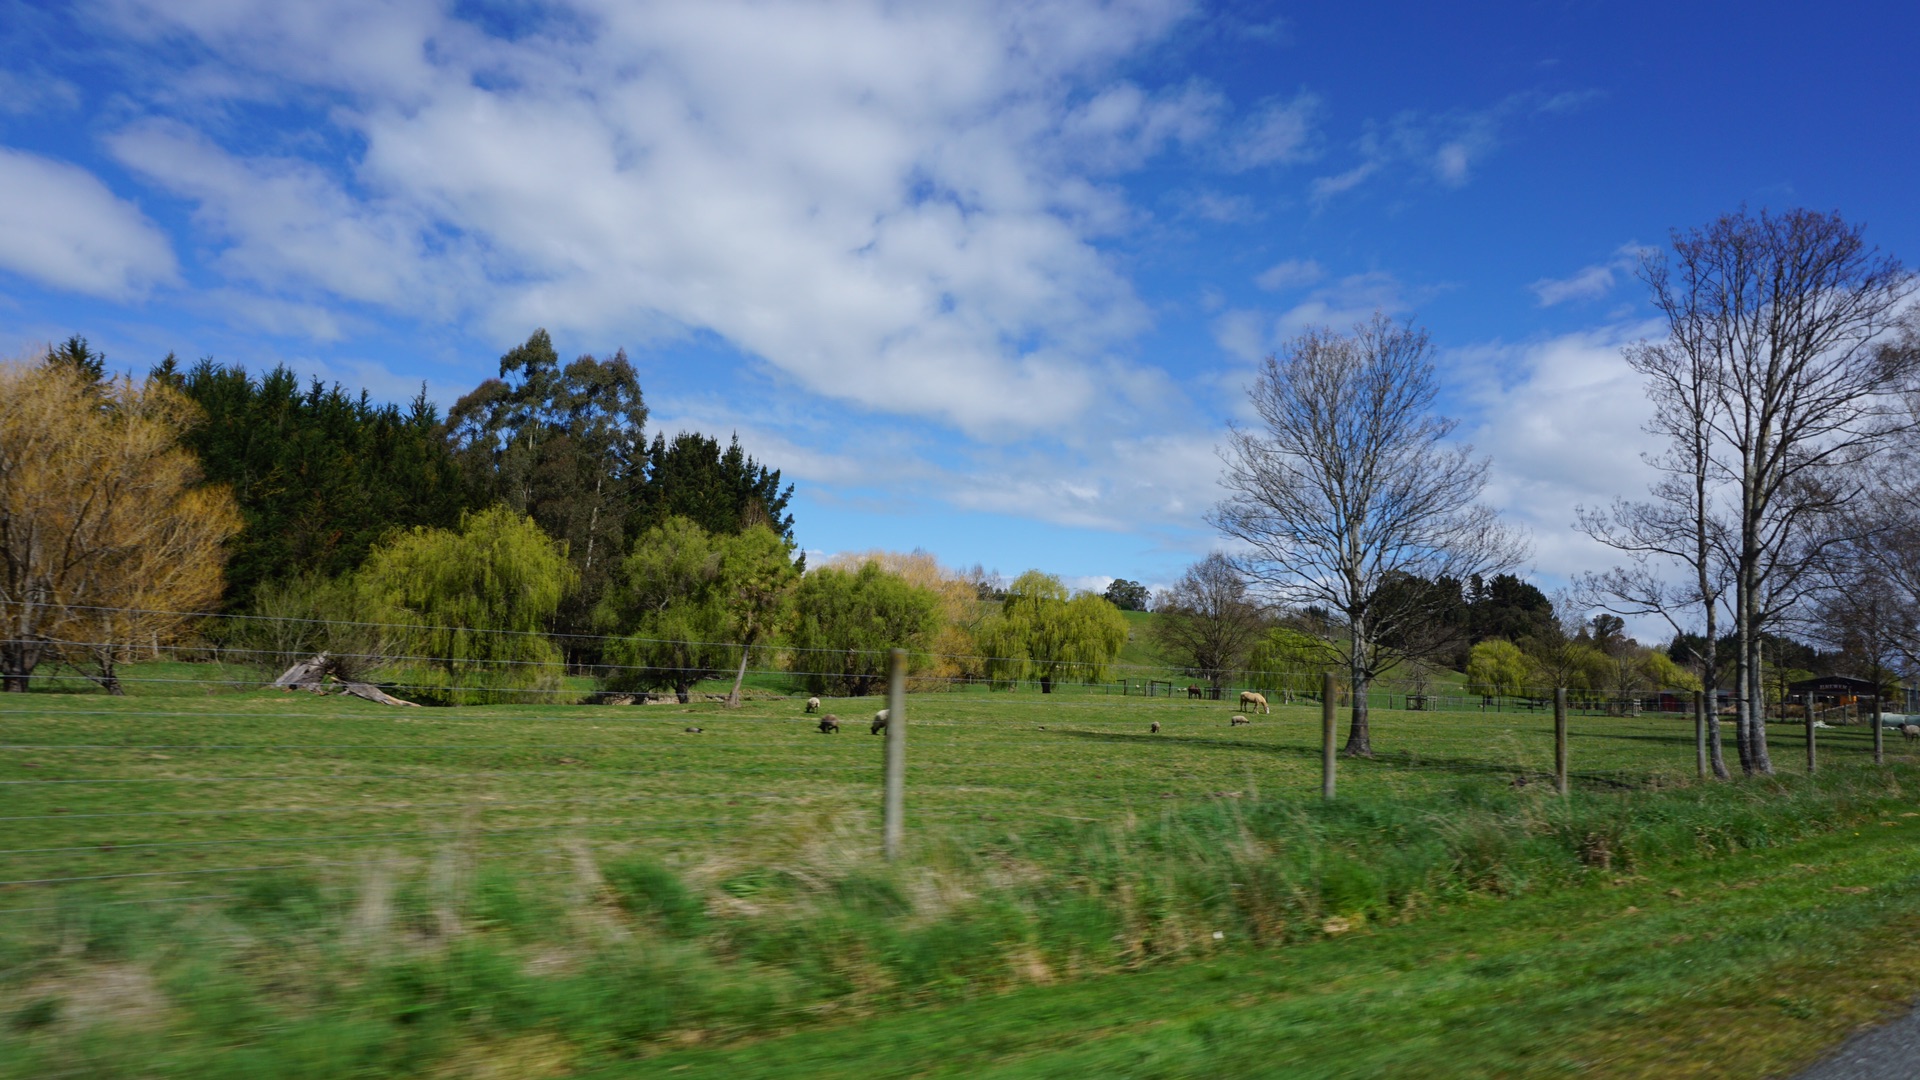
x=893 y=808
x=1700 y=731
x=1810 y=757
x=1879 y=751
x=1560 y=740
x=1327 y=735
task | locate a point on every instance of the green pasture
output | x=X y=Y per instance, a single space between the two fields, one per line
x=211 y=883
x=178 y=788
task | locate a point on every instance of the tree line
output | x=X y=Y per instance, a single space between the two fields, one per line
x=473 y=557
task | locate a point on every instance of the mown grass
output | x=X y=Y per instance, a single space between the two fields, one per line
x=396 y=891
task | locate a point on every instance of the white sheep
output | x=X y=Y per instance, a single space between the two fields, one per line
x=1238 y=721
x=1911 y=731
x=879 y=722
x=813 y=704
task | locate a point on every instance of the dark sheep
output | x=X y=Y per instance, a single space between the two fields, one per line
x=829 y=725
x=1154 y=727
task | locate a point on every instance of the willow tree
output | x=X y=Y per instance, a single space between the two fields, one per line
x=847 y=621
x=108 y=539
x=1348 y=484
x=1043 y=632
x=687 y=604
x=473 y=606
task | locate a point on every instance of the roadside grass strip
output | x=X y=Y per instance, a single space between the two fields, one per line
x=1748 y=966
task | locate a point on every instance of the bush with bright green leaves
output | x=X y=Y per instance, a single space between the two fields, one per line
x=1044 y=633
x=473 y=607
x=847 y=621
x=685 y=601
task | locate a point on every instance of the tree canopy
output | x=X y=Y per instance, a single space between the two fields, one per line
x=319 y=475
x=1042 y=632
x=475 y=604
x=846 y=621
x=107 y=534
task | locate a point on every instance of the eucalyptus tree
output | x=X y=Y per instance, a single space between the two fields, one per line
x=1349 y=483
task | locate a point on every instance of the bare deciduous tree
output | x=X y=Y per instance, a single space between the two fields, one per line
x=1349 y=486
x=1775 y=378
x=1207 y=620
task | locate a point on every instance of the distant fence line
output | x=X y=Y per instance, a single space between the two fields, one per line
x=1120 y=678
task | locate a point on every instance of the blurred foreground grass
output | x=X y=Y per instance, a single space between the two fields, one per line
x=334 y=888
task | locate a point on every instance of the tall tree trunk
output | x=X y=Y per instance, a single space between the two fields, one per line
x=1762 y=761
x=1710 y=692
x=1359 y=734
x=684 y=691
x=1743 y=656
x=733 y=699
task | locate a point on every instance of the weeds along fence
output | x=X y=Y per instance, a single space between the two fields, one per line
x=198 y=782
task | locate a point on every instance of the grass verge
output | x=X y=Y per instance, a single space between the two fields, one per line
x=1372 y=936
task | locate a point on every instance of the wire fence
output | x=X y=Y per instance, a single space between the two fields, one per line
x=196 y=775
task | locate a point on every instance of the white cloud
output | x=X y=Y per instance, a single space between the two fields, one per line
x=893 y=206
x=1446 y=146
x=61 y=226
x=1290 y=274
x=1589 y=282
x=1218 y=207
x=1277 y=133
x=1350 y=300
x=1562 y=421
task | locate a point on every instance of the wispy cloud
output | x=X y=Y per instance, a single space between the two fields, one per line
x=1445 y=147
x=1589 y=282
x=1278 y=132
x=1290 y=274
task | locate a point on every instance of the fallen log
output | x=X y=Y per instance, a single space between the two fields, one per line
x=319 y=674
x=374 y=693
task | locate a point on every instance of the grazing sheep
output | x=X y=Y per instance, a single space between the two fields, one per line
x=1154 y=727
x=829 y=725
x=1238 y=721
x=813 y=704
x=1911 y=731
x=1251 y=701
x=879 y=723
x=693 y=731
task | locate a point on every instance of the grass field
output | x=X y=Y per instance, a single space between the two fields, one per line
x=100 y=786
x=734 y=874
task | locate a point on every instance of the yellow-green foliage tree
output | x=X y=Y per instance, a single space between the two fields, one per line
x=955 y=646
x=691 y=605
x=1044 y=633
x=107 y=535
x=1497 y=668
x=1291 y=661
x=846 y=622
x=475 y=604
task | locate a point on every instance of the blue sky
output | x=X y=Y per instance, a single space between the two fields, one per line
x=986 y=279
